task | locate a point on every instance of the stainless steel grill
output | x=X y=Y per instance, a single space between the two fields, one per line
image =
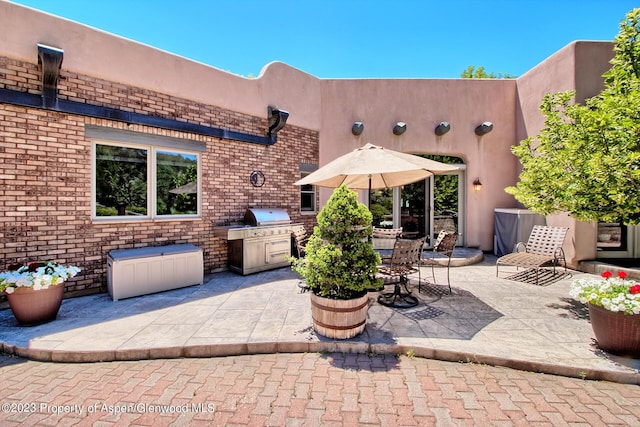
x=262 y=243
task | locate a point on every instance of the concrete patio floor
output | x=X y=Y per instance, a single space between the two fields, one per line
x=487 y=319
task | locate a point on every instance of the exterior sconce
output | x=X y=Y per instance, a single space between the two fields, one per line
x=357 y=128
x=484 y=128
x=477 y=185
x=399 y=128
x=277 y=120
x=442 y=128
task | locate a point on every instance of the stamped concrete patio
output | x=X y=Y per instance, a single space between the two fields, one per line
x=485 y=320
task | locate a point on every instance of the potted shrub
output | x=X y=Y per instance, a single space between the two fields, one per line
x=34 y=291
x=340 y=266
x=614 y=311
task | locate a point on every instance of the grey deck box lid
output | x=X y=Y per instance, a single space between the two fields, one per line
x=123 y=254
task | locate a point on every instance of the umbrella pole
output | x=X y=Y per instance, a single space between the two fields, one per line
x=369 y=205
x=369 y=194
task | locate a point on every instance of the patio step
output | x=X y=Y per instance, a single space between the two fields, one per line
x=460 y=258
x=599 y=267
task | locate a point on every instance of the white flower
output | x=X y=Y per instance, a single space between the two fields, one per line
x=39 y=278
x=611 y=293
x=22 y=282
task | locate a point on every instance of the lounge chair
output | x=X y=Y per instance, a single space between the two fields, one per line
x=543 y=248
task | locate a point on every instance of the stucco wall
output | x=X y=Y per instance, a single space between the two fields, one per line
x=578 y=66
x=422 y=104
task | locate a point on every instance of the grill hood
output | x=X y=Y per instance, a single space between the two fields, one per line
x=266 y=216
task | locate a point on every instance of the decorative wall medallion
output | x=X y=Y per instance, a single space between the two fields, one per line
x=257 y=178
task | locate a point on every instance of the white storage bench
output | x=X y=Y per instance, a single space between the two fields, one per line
x=141 y=271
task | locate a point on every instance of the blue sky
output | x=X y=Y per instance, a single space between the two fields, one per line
x=353 y=38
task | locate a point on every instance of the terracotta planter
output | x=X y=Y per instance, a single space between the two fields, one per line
x=36 y=307
x=339 y=319
x=616 y=332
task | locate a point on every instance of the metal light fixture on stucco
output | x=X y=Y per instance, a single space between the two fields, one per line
x=399 y=128
x=357 y=128
x=477 y=185
x=442 y=128
x=484 y=128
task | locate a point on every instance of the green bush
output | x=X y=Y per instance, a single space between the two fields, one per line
x=340 y=261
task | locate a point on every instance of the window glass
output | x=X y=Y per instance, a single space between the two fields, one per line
x=176 y=183
x=121 y=181
x=307 y=197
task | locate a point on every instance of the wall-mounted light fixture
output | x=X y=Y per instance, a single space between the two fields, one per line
x=442 y=128
x=357 y=128
x=477 y=185
x=277 y=119
x=399 y=128
x=484 y=128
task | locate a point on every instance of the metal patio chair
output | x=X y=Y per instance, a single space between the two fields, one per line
x=444 y=246
x=405 y=260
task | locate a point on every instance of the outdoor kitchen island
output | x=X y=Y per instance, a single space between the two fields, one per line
x=262 y=243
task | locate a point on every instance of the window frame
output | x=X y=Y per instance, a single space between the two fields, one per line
x=152 y=196
x=304 y=173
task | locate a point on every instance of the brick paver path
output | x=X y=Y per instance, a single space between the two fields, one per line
x=304 y=389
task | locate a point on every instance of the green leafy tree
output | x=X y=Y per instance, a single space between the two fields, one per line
x=586 y=161
x=472 y=72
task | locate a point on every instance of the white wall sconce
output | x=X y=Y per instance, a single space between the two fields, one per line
x=477 y=185
x=357 y=128
x=484 y=128
x=442 y=128
x=399 y=128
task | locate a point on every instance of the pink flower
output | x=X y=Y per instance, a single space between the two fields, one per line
x=607 y=274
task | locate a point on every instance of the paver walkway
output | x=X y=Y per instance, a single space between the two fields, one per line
x=311 y=389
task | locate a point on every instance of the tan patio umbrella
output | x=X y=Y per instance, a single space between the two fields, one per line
x=372 y=167
x=188 y=188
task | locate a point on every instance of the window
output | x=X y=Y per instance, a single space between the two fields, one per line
x=307 y=195
x=145 y=181
x=176 y=183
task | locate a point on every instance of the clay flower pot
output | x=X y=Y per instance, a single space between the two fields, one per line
x=35 y=290
x=31 y=307
x=614 y=310
x=616 y=332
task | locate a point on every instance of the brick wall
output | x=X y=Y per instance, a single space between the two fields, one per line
x=45 y=175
